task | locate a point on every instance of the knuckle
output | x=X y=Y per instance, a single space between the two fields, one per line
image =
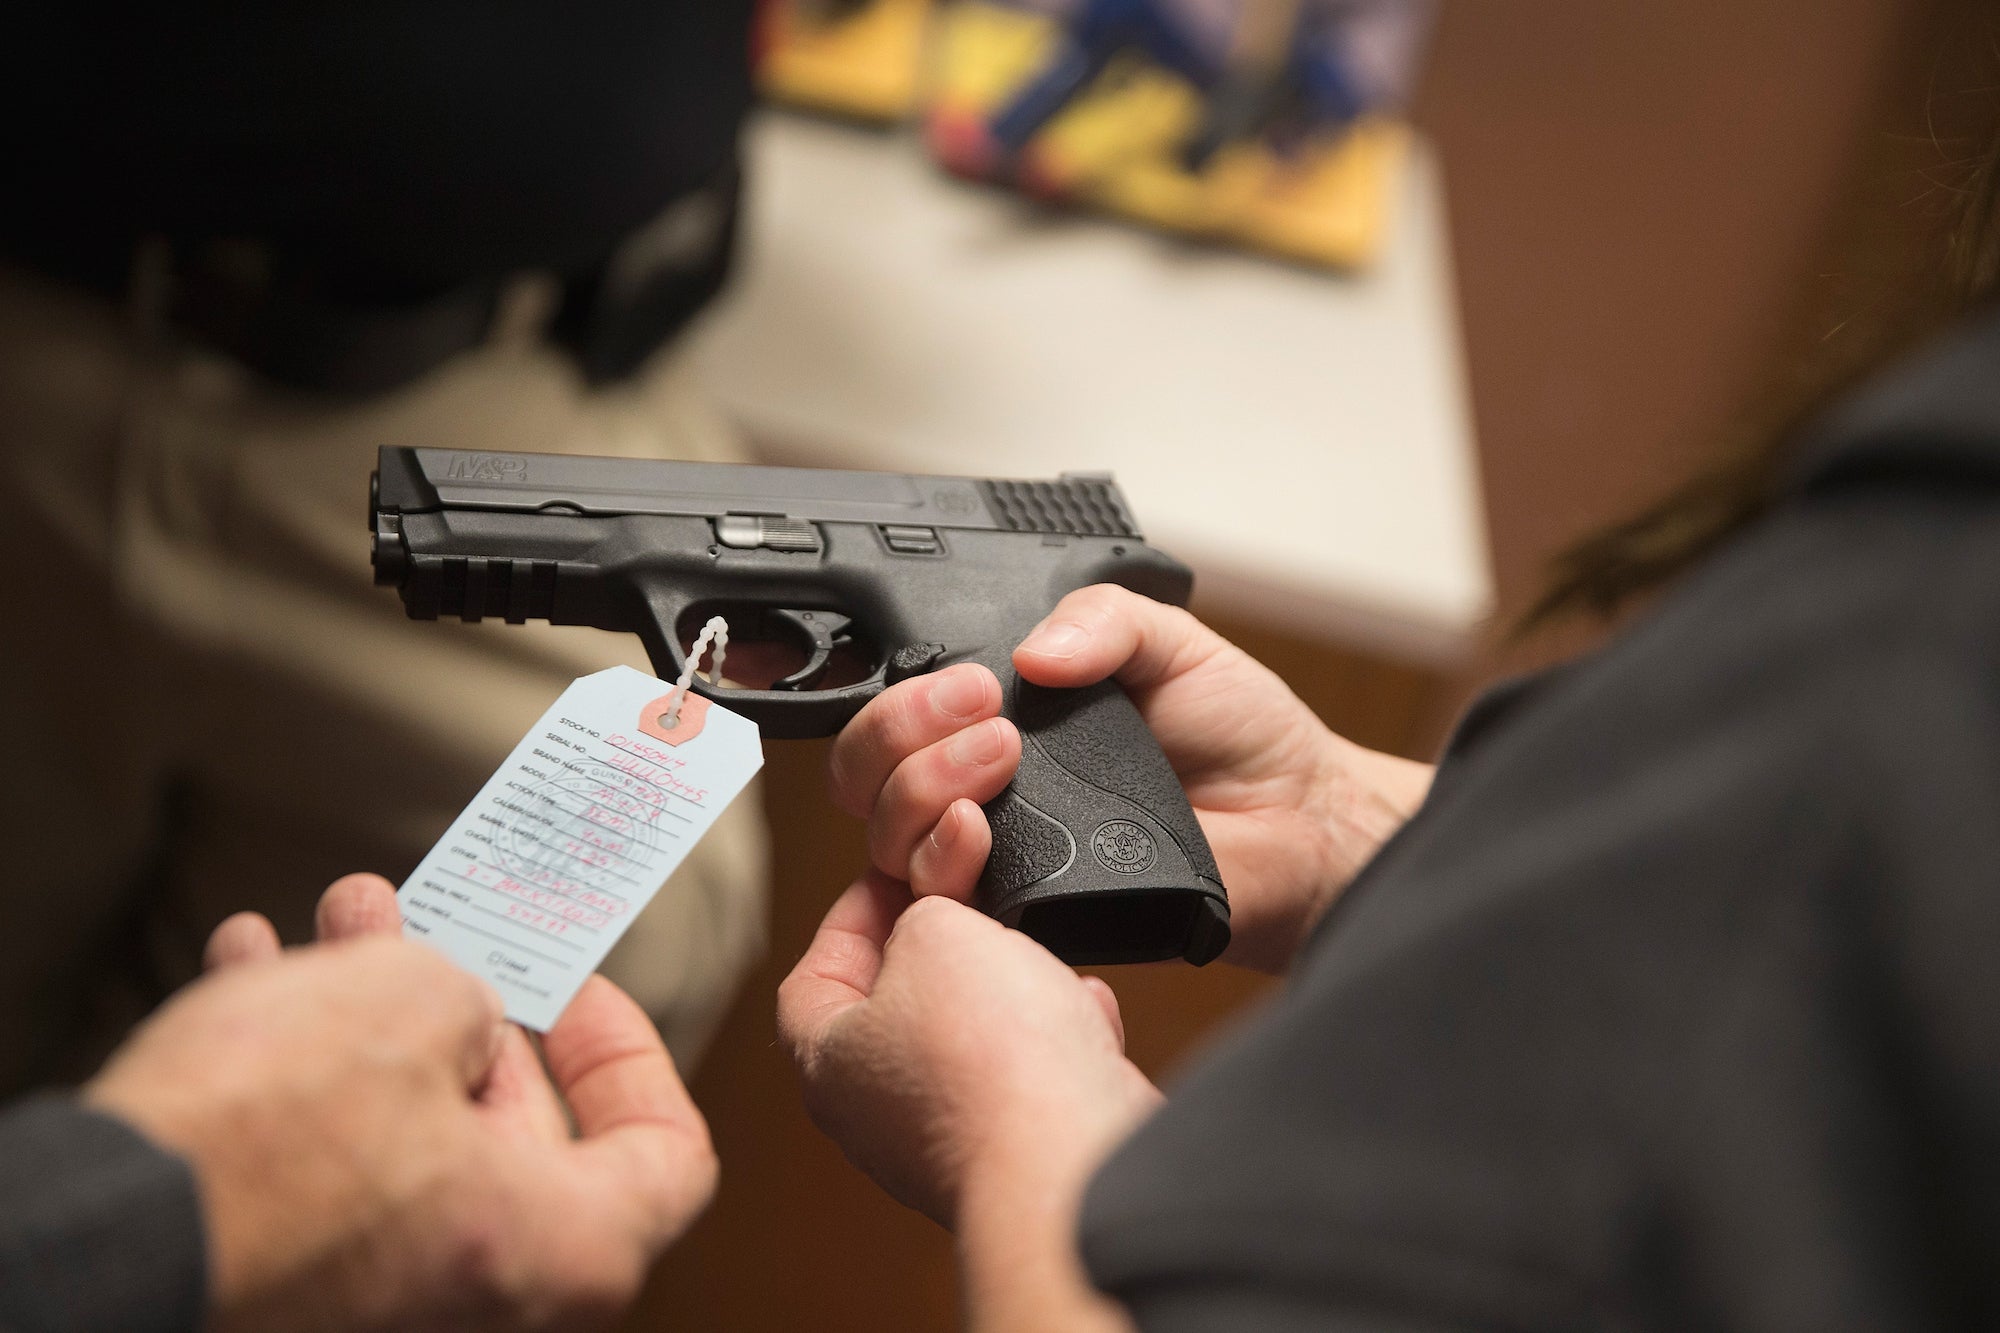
x=479 y=1257
x=905 y=718
x=927 y=909
x=969 y=751
x=881 y=735
x=600 y=1283
x=897 y=814
x=825 y=1106
x=1096 y=595
x=421 y=966
x=673 y=1180
x=839 y=780
x=1184 y=641
x=478 y=1004
x=702 y=1169
x=794 y=1024
x=1106 y=602
x=927 y=918
x=888 y=851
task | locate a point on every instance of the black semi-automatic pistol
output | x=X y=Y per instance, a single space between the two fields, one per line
x=876 y=577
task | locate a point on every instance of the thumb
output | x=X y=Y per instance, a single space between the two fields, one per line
x=638 y=1130
x=841 y=964
x=1107 y=630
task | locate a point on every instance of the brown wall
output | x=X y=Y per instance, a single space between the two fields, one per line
x=1636 y=191
x=1664 y=212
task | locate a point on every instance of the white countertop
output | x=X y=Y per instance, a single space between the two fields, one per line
x=1301 y=439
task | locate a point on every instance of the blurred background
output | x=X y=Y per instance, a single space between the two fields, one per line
x=1373 y=306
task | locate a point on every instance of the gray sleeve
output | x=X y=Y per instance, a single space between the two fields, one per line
x=1244 y=1308
x=99 y=1228
x=1675 y=1007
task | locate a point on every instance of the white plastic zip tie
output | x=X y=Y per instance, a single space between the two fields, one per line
x=716 y=631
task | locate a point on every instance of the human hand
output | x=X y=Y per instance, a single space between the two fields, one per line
x=974 y=1077
x=376 y=1148
x=937 y=1047
x=1291 y=810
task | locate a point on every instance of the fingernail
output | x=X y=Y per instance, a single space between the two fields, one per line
x=946 y=833
x=977 y=745
x=1065 y=638
x=958 y=693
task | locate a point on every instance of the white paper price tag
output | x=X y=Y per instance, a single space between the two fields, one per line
x=573 y=836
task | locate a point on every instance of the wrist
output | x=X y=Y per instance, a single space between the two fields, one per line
x=1368 y=797
x=1052 y=1147
x=1018 y=1207
x=161 y=1118
x=1381 y=791
x=1350 y=803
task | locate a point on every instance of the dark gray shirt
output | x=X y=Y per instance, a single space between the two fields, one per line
x=1678 y=1004
x=99 y=1229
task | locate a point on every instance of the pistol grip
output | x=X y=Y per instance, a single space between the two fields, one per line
x=1096 y=853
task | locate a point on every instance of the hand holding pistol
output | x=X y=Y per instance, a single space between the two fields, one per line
x=875 y=577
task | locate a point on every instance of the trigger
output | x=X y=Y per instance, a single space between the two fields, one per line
x=823 y=631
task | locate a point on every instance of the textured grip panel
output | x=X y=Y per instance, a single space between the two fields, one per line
x=1098 y=736
x=1095 y=851
x=1028 y=846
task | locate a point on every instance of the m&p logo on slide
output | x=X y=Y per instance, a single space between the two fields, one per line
x=487 y=467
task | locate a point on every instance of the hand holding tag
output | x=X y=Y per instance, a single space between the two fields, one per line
x=362 y=1099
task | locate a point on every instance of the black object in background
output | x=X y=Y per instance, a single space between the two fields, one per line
x=401 y=148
